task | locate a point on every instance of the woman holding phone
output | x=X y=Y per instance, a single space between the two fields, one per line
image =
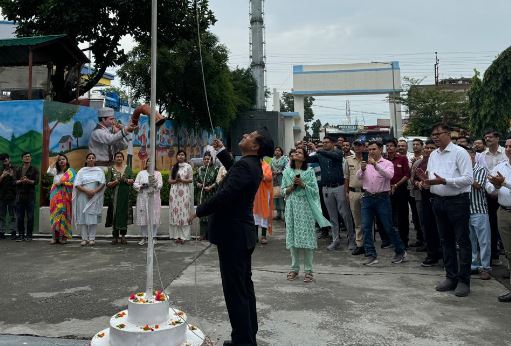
x=303 y=210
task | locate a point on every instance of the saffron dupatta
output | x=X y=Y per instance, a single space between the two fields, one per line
x=60 y=205
x=263 y=201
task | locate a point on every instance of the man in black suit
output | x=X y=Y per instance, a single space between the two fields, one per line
x=231 y=228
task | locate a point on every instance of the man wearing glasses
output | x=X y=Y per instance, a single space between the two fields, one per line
x=449 y=176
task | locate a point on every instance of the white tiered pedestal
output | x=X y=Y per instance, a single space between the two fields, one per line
x=152 y=323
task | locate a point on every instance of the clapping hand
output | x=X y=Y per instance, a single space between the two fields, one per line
x=497 y=180
x=438 y=180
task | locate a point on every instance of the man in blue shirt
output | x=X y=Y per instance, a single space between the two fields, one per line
x=332 y=181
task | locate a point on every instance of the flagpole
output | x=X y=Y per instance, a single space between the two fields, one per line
x=152 y=152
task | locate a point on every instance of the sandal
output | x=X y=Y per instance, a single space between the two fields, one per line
x=264 y=241
x=292 y=275
x=308 y=278
x=115 y=241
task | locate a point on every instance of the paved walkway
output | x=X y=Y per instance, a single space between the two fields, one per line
x=71 y=292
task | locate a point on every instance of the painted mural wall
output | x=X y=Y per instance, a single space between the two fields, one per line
x=20 y=131
x=48 y=128
x=67 y=129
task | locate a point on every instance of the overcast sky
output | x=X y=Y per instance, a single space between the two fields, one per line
x=467 y=34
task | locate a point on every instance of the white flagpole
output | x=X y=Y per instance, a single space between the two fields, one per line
x=152 y=153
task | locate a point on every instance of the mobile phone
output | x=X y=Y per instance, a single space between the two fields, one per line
x=297 y=176
x=365 y=156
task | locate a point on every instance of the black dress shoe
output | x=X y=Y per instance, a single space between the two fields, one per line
x=505 y=298
x=446 y=285
x=429 y=262
x=358 y=251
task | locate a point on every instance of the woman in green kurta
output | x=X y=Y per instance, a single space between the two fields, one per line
x=120 y=214
x=303 y=210
x=205 y=186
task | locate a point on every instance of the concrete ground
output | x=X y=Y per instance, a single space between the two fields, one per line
x=63 y=295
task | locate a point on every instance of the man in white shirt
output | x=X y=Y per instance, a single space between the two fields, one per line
x=500 y=184
x=449 y=176
x=493 y=154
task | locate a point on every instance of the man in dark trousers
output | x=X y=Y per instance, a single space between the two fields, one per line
x=231 y=228
x=26 y=178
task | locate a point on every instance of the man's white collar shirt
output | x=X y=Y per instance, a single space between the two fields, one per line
x=493 y=159
x=504 y=193
x=455 y=166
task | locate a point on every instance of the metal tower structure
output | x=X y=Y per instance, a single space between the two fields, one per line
x=348 y=112
x=257 y=50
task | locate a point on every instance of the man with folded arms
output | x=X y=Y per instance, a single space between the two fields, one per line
x=499 y=183
x=375 y=175
x=449 y=176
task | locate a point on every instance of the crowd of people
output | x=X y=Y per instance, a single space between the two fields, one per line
x=455 y=192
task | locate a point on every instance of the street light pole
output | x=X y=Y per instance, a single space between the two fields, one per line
x=394 y=100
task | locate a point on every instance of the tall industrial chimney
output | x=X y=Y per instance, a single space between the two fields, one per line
x=257 y=55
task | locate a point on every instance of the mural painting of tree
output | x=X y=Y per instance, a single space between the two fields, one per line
x=54 y=113
x=77 y=131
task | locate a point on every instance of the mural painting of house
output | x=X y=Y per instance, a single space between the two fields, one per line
x=65 y=143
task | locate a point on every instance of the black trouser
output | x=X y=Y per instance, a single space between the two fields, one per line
x=236 y=272
x=116 y=232
x=25 y=207
x=400 y=213
x=8 y=208
x=415 y=218
x=431 y=235
x=452 y=217
x=324 y=210
x=493 y=206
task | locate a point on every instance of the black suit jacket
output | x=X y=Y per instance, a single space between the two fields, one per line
x=232 y=219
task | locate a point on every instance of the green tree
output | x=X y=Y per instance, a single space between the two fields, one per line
x=490 y=99
x=287 y=105
x=475 y=104
x=102 y=24
x=316 y=127
x=12 y=144
x=77 y=131
x=180 y=90
x=428 y=105
x=54 y=113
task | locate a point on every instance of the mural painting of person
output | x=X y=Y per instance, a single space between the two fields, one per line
x=108 y=137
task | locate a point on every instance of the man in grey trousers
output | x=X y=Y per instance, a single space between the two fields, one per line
x=332 y=178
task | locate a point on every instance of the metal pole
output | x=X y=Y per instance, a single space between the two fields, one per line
x=394 y=100
x=30 y=62
x=152 y=156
